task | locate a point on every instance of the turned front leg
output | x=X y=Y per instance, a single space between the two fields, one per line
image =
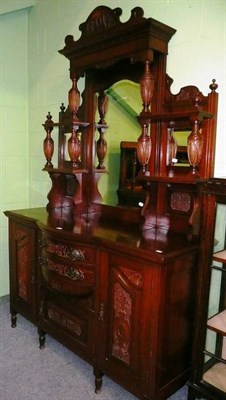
x=98 y=379
x=13 y=317
x=42 y=338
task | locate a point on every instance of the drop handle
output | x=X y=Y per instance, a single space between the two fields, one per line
x=74 y=274
x=101 y=312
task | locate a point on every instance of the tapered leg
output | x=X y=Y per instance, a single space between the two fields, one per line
x=42 y=338
x=13 y=317
x=98 y=379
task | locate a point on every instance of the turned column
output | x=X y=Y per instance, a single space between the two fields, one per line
x=48 y=143
x=144 y=140
x=74 y=144
x=102 y=127
x=195 y=143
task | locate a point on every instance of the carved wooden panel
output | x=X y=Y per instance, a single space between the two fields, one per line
x=68 y=322
x=180 y=201
x=126 y=290
x=122 y=323
x=23 y=254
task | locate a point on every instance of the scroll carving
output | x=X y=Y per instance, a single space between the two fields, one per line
x=135 y=278
x=121 y=324
x=20 y=234
x=102 y=18
x=186 y=97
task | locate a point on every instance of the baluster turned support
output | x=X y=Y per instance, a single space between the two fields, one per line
x=48 y=143
x=101 y=127
x=144 y=141
x=74 y=144
x=147 y=88
x=195 y=146
x=195 y=140
x=144 y=147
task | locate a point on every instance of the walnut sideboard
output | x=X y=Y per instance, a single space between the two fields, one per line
x=119 y=297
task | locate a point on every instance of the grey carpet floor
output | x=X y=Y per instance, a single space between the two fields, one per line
x=28 y=373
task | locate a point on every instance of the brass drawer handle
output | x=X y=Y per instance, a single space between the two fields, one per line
x=63 y=270
x=65 y=251
x=74 y=274
x=75 y=254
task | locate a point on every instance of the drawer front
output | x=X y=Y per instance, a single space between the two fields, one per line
x=68 y=268
x=75 y=325
x=69 y=278
x=76 y=253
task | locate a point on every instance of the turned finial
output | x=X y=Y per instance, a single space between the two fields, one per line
x=213 y=86
x=62 y=107
x=48 y=117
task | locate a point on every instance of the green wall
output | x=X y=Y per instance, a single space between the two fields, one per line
x=14 y=141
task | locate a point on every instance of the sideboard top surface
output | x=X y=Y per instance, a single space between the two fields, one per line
x=155 y=244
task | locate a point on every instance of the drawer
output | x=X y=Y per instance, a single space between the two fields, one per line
x=76 y=253
x=78 y=326
x=72 y=279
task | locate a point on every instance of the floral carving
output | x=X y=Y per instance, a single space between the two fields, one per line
x=23 y=259
x=180 y=201
x=121 y=324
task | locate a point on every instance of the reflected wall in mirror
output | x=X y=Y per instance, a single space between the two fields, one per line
x=181 y=156
x=124 y=105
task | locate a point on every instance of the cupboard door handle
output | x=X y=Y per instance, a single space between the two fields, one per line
x=101 y=312
x=32 y=277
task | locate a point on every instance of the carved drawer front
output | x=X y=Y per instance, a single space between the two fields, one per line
x=70 y=278
x=75 y=325
x=76 y=253
x=68 y=268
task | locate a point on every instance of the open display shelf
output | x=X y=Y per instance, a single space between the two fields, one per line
x=208 y=379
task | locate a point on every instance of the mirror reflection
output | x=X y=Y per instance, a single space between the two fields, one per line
x=181 y=140
x=124 y=106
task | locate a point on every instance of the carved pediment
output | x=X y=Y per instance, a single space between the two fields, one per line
x=105 y=39
x=101 y=19
x=188 y=97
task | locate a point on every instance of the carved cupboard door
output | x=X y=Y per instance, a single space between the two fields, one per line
x=125 y=330
x=23 y=257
